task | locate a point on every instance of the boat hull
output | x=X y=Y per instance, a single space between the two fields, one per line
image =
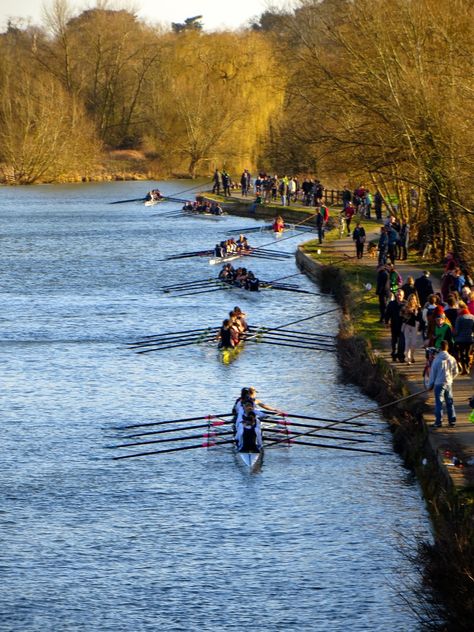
x=251 y=460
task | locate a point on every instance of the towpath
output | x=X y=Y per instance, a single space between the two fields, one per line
x=458 y=441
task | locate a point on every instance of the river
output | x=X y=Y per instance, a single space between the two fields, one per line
x=187 y=540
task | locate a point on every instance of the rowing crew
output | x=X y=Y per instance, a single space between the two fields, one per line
x=200 y=205
x=153 y=195
x=231 y=246
x=247 y=420
x=241 y=277
x=233 y=329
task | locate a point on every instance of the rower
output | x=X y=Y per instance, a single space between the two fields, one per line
x=240 y=315
x=251 y=282
x=227 y=273
x=248 y=433
x=252 y=393
x=219 y=250
x=226 y=336
x=278 y=224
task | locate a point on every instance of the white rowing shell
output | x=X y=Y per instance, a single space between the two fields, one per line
x=215 y=260
x=250 y=459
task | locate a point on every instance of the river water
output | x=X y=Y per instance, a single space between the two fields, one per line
x=188 y=540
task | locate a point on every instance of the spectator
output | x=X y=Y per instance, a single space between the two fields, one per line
x=411 y=318
x=409 y=287
x=378 y=201
x=393 y=315
x=424 y=287
x=383 y=289
x=404 y=241
x=358 y=237
x=443 y=371
x=349 y=212
x=464 y=338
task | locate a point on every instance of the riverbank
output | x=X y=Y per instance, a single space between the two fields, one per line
x=447 y=565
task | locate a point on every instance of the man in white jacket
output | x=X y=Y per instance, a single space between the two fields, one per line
x=443 y=371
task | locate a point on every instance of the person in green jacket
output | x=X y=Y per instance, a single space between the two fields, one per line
x=443 y=331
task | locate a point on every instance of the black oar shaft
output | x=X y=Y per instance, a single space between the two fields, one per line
x=333 y=447
x=295 y=346
x=210 y=418
x=206 y=436
x=287 y=423
x=172 y=333
x=197 y=337
x=188 y=447
x=175 y=346
x=195 y=427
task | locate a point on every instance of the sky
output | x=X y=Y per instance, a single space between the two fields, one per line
x=216 y=13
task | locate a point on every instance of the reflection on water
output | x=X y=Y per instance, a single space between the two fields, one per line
x=186 y=541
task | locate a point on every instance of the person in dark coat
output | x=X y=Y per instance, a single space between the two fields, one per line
x=358 y=237
x=378 y=201
x=383 y=289
x=393 y=315
x=216 y=188
x=424 y=287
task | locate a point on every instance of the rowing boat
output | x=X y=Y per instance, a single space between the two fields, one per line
x=251 y=460
x=230 y=257
x=229 y=354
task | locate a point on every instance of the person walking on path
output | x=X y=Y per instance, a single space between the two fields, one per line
x=424 y=287
x=383 y=289
x=383 y=246
x=443 y=371
x=411 y=317
x=349 y=213
x=359 y=237
x=217 y=182
x=464 y=337
x=393 y=315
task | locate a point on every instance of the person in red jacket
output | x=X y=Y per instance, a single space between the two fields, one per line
x=349 y=212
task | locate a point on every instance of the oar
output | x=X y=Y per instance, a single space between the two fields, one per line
x=216 y=289
x=186 y=283
x=320 y=344
x=325 y=419
x=173 y=421
x=282 y=335
x=173 y=337
x=188 y=447
x=291 y=331
x=294 y=346
x=174 y=346
x=286 y=334
x=289 y=289
x=377 y=408
x=206 y=435
x=290 y=434
x=187 y=338
x=323 y=445
x=189 y=286
x=283 y=422
x=193 y=427
x=187 y=255
x=141 y=199
x=171 y=333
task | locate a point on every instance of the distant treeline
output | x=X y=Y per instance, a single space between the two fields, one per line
x=371 y=91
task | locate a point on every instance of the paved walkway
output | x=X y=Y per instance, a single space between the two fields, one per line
x=459 y=441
